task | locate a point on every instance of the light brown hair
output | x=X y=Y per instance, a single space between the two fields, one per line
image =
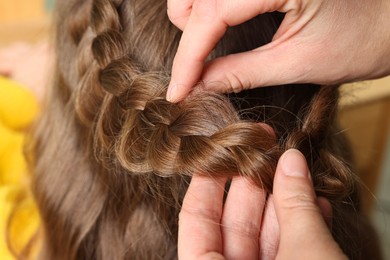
x=113 y=159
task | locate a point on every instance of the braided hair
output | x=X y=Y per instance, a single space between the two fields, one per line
x=113 y=158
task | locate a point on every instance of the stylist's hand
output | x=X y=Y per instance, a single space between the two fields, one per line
x=292 y=226
x=322 y=41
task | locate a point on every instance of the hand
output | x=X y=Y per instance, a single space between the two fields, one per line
x=324 y=42
x=291 y=227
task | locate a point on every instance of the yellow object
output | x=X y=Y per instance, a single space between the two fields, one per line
x=19 y=219
x=12 y=162
x=18 y=106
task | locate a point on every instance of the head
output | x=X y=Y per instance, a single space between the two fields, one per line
x=113 y=158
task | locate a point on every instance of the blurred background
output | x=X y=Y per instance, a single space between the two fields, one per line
x=364 y=110
x=24 y=20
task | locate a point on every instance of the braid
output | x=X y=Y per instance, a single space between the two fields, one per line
x=155 y=136
x=331 y=175
x=139 y=151
x=101 y=43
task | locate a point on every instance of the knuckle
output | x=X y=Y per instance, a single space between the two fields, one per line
x=300 y=202
x=234 y=82
x=201 y=214
x=244 y=228
x=292 y=5
x=224 y=10
x=178 y=12
x=171 y=14
x=175 y=17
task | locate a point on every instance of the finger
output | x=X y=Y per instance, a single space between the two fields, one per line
x=269 y=65
x=326 y=211
x=284 y=60
x=206 y=25
x=203 y=31
x=296 y=196
x=296 y=199
x=299 y=217
x=199 y=219
x=178 y=12
x=269 y=236
x=241 y=220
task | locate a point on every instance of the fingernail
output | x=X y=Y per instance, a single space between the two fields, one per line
x=171 y=97
x=294 y=164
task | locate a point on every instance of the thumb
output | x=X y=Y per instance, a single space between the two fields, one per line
x=266 y=66
x=303 y=231
x=276 y=63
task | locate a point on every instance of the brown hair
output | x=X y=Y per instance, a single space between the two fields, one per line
x=113 y=158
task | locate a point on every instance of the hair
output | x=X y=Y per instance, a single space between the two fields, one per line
x=113 y=159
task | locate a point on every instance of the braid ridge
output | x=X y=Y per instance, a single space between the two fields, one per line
x=333 y=176
x=104 y=16
x=101 y=43
x=77 y=22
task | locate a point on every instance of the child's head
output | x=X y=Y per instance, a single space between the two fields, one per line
x=114 y=158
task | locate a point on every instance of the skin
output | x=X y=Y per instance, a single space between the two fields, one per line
x=27 y=64
x=323 y=42
x=288 y=225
